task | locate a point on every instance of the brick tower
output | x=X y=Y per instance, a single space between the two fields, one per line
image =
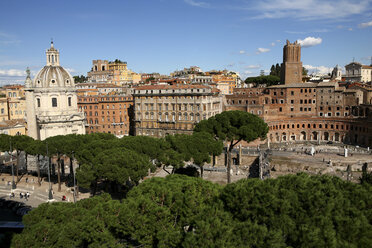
x=291 y=69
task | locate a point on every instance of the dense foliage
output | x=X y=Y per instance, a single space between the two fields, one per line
x=80 y=79
x=275 y=70
x=263 y=80
x=114 y=165
x=180 y=211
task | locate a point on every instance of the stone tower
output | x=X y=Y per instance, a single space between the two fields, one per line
x=51 y=101
x=291 y=69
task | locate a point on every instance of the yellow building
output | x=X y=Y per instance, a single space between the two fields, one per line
x=225 y=83
x=120 y=74
x=16 y=103
x=3 y=109
x=17 y=108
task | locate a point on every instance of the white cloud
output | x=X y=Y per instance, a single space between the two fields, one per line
x=247 y=72
x=12 y=73
x=310 y=41
x=197 y=4
x=350 y=29
x=322 y=70
x=8 y=39
x=365 y=24
x=70 y=70
x=272 y=43
x=241 y=52
x=262 y=50
x=252 y=66
x=311 y=9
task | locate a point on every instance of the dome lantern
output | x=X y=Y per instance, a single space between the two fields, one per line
x=52 y=56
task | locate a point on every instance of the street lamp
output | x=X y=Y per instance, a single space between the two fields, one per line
x=50 y=197
x=14 y=186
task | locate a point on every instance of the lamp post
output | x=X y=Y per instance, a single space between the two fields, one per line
x=50 y=197
x=14 y=186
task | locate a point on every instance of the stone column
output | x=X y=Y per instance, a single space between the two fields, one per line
x=32 y=129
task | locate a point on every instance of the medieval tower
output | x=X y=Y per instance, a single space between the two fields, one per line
x=291 y=69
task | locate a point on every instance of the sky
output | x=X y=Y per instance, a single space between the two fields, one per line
x=167 y=35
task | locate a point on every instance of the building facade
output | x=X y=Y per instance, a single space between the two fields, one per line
x=170 y=109
x=108 y=113
x=356 y=72
x=51 y=101
x=318 y=112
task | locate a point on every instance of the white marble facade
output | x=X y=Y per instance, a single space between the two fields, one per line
x=51 y=101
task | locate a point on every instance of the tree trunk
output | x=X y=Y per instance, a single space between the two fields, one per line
x=228 y=165
x=95 y=184
x=201 y=171
x=77 y=190
x=214 y=160
x=17 y=167
x=26 y=162
x=38 y=169
x=59 y=172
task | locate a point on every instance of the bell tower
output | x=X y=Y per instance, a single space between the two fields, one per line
x=291 y=69
x=52 y=55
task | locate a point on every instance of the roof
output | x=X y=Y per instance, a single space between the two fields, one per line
x=366 y=67
x=14 y=86
x=295 y=85
x=328 y=84
x=98 y=85
x=174 y=86
x=12 y=123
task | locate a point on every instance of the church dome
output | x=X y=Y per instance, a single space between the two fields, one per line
x=53 y=75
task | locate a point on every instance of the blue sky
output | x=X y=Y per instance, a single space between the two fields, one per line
x=166 y=35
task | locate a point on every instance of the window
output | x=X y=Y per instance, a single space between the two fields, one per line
x=292 y=109
x=292 y=93
x=292 y=101
x=69 y=101
x=280 y=109
x=38 y=102
x=54 y=102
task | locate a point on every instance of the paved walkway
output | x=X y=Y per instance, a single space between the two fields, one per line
x=38 y=194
